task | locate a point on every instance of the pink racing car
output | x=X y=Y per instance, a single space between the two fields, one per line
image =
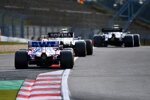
x=44 y=53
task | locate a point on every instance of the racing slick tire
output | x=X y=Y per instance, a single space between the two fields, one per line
x=128 y=41
x=69 y=49
x=89 y=47
x=80 y=49
x=136 y=40
x=21 y=60
x=105 y=44
x=66 y=59
x=98 y=41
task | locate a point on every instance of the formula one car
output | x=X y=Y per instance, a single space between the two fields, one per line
x=80 y=47
x=44 y=53
x=116 y=37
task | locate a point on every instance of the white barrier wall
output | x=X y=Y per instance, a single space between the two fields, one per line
x=13 y=39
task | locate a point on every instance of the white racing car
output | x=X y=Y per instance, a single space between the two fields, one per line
x=44 y=53
x=116 y=37
x=80 y=47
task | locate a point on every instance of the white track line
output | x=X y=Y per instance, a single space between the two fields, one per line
x=65 y=90
x=64 y=85
x=76 y=58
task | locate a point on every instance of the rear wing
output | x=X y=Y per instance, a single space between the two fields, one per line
x=43 y=44
x=112 y=29
x=60 y=35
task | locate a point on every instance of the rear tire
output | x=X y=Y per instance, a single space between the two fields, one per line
x=69 y=49
x=80 y=49
x=136 y=40
x=66 y=59
x=128 y=41
x=89 y=47
x=21 y=60
x=99 y=41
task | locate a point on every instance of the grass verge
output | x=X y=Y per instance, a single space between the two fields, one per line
x=11 y=52
x=10 y=43
x=8 y=94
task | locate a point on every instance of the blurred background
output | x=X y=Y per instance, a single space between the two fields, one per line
x=29 y=19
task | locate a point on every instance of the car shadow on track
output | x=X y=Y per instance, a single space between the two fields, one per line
x=53 y=66
x=43 y=67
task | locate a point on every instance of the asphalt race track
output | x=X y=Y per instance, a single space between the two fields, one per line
x=8 y=71
x=110 y=74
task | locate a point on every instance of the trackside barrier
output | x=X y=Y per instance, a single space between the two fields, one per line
x=13 y=39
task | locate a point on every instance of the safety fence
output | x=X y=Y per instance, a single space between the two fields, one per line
x=84 y=23
x=115 y=5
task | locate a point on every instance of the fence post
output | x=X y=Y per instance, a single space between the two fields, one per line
x=45 y=29
x=13 y=26
x=40 y=30
x=0 y=34
x=0 y=26
x=33 y=32
x=3 y=25
x=22 y=28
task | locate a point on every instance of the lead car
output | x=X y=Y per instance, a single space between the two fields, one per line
x=44 y=53
x=116 y=37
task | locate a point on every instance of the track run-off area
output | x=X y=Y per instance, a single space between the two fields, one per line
x=109 y=74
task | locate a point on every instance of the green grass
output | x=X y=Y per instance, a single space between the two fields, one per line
x=11 y=52
x=8 y=94
x=9 y=89
x=10 y=43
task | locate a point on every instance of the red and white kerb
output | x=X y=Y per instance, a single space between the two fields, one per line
x=47 y=86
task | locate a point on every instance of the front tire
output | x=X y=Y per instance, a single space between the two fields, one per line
x=21 y=60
